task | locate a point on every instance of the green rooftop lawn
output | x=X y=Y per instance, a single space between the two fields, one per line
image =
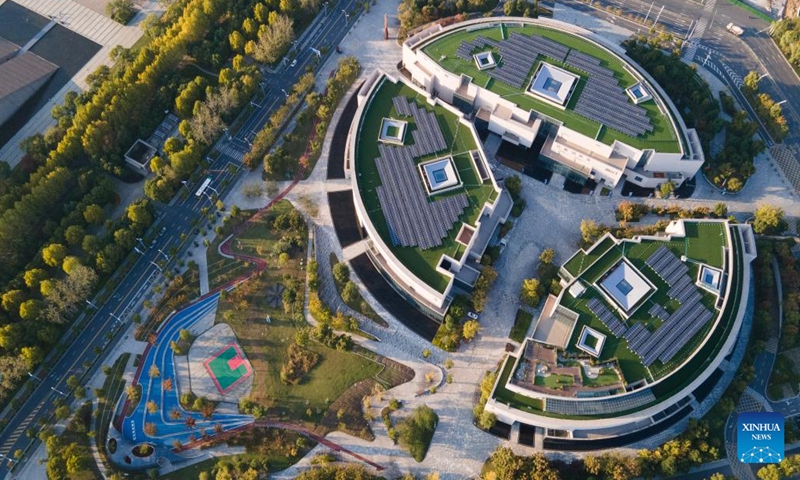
x=662 y=137
x=553 y=381
x=421 y=262
x=704 y=242
x=582 y=260
x=606 y=378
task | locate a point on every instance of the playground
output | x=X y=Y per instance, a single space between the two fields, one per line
x=228 y=367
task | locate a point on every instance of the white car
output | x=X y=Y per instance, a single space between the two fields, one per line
x=294 y=63
x=472 y=315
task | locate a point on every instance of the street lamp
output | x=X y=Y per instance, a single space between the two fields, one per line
x=209 y=187
x=284 y=93
x=141 y=242
x=762 y=76
x=346 y=15
x=58 y=391
x=227 y=134
x=317 y=52
x=138 y=251
x=157 y=266
x=255 y=104
x=34 y=376
x=117 y=317
x=92 y=304
x=162 y=253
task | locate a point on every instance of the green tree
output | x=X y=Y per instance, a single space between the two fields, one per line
x=350 y=292
x=666 y=188
x=63 y=412
x=341 y=273
x=514 y=186
x=121 y=11
x=93 y=214
x=74 y=235
x=531 y=292
x=70 y=263
x=139 y=213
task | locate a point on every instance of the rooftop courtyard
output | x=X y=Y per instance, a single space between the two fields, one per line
x=576 y=51
x=421 y=260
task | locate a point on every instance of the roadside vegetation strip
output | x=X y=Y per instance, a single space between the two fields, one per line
x=751 y=9
x=113 y=387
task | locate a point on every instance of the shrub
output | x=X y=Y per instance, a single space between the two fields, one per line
x=121 y=11
x=299 y=361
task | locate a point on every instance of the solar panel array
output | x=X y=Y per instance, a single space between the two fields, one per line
x=428 y=137
x=600 y=406
x=519 y=53
x=413 y=220
x=604 y=101
x=607 y=317
x=466 y=48
x=677 y=328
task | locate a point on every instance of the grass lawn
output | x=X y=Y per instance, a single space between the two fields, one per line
x=582 y=260
x=421 y=262
x=601 y=266
x=522 y=323
x=704 y=242
x=265 y=345
x=607 y=377
x=553 y=381
x=662 y=137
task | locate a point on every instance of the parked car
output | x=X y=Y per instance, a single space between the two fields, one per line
x=294 y=63
x=472 y=315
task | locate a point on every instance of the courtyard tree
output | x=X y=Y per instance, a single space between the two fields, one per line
x=514 y=186
x=93 y=214
x=547 y=256
x=769 y=220
x=341 y=273
x=54 y=254
x=470 y=329
x=531 y=292
x=350 y=292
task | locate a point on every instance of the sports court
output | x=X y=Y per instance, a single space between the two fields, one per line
x=228 y=367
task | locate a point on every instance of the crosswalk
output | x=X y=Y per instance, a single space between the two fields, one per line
x=690 y=50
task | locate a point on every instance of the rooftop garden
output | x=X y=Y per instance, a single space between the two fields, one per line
x=443 y=51
x=630 y=366
x=421 y=263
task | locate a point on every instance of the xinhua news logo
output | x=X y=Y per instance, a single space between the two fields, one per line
x=760 y=437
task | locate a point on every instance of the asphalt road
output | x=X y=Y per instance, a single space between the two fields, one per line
x=328 y=30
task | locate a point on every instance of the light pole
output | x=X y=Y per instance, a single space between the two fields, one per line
x=209 y=187
x=58 y=391
x=346 y=16
x=185 y=184
x=317 y=52
x=255 y=104
x=228 y=135
x=165 y=255
x=117 y=317
x=141 y=242
x=284 y=93
x=34 y=376
x=138 y=251
x=762 y=76
x=92 y=305
x=157 y=266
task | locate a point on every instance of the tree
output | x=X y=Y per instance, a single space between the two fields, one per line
x=350 y=292
x=470 y=329
x=139 y=213
x=70 y=264
x=274 y=39
x=416 y=431
x=590 y=231
x=150 y=429
x=121 y=11
x=666 y=188
x=627 y=210
x=12 y=299
x=514 y=186
x=720 y=210
x=283 y=259
x=93 y=214
x=154 y=371
x=507 y=466
x=769 y=220
x=54 y=254
x=152 y=407
x=547 y=256
x=341 y=273
x=33 y=277
x=531 y=291
x=74 y=235
x=63 y=412
x=30 y=309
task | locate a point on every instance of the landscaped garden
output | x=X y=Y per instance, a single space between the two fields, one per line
x=443 y=51
x=291 y=381
x=554 y=381
x=421 y=262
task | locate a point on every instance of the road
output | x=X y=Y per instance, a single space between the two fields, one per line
x=328 y=30
x=703 y=23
